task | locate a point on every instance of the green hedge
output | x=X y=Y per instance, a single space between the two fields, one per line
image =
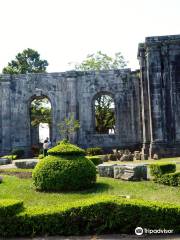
x=158 y=169
x=56 y=174
x=9 y=207
x=65 y=149
x=94 y=151
x=96 y=215
x=171 y=179
x=95 y=159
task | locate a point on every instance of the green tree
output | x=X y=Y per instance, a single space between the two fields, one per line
x=26 y=62
x=68 y=126
x=104 y=104
x=104 y=114
x=40 y=112
x=101 y=61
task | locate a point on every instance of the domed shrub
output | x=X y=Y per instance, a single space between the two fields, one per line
x=64 y=170
x=65 y=148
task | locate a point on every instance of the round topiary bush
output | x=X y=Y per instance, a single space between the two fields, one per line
x=65 y=169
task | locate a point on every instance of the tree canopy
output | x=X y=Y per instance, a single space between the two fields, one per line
x=26 y=62
x=40 y=111
x=101 y=61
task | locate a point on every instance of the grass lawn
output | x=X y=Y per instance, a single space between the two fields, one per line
x=16 y=188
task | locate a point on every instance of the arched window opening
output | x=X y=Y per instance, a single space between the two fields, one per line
x=104 y=114
x=40 y=113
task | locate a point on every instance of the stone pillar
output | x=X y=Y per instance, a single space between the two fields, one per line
x=154 y=76
x=6 y=118
x=144 y=101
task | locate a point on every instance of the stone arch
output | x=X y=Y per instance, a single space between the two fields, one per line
x=35 y=131
x=113 y=99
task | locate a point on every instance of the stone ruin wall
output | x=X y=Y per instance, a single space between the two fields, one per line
x=70 y=92
x=147 y=102
x=159 y=59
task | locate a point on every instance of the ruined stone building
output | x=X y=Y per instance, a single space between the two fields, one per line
x=146 y=101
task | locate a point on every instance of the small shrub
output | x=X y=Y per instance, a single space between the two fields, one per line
x=112 y=157
x=41 y=156
x=55 y=174
x=95 y=159
x=35 y=150
x=158 y=169
x=171 y=179
x=18 y=152
x=10 y=157
x=94 y=151
x=65 y=148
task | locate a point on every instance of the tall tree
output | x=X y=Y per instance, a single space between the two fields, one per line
x=104 y=104
x=101 y=61
x=26 y=62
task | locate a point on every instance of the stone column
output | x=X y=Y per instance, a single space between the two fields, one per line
x=154 y=77
x=144 y=101
x=6 y=117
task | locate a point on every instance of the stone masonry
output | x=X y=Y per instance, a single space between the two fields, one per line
x=70 y=92
x=147 y=102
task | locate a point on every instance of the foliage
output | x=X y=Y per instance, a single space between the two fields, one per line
x=26 y=62
x=10 y=207
x=18 y=152
x=68 y=126
x=65 y=148
x=98 y=215
x=112 y=157
x=94 y=151
x=11 y=157
x=41 y=156
x=40 y=111
x=101 y=61
x=55 y=174
x=157 y=170
x=171 y=179
x=65 y=168
x=104 y=114
x=95 y=159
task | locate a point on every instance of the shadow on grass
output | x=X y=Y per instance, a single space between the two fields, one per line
x=96 y=188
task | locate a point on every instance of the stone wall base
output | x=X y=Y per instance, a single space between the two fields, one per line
x=164 y=150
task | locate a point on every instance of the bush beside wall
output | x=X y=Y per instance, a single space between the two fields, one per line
x=171 y=179
x=100 y=214
x=95 y=159
x=158 y=169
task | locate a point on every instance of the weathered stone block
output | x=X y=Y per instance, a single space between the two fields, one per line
x=4 y=161
x=119 y=171
x=135 y=172
x=106 y=170
x=1 y=179
x=25 y=163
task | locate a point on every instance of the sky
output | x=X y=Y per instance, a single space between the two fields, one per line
x=66 y=31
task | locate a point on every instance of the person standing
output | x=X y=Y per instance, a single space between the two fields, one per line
x=45 y=147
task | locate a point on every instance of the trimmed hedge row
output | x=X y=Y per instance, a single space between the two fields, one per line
x=171 y=179
x=9 y=207
x=158 y=169
x=94 y=151
x=102 y=214
x=95 y=159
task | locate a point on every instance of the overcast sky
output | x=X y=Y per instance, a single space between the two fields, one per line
x=64 y=31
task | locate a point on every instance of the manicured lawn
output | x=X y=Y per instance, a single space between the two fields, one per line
x=16 y=188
